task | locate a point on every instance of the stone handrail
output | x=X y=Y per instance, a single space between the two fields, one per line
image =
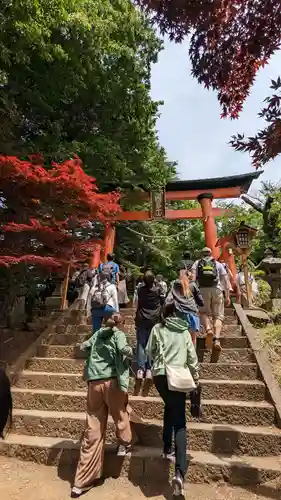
x=263 y=362
x=32 y=349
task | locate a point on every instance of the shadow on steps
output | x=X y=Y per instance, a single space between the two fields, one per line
x=265 y=490
x=151 y=475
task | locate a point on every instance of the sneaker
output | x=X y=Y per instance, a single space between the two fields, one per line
x=140 y=374
x=148 y=375
x=216 y=345
x=124 y=451
x=77 y=492
x=177 y=484
x=169 y=456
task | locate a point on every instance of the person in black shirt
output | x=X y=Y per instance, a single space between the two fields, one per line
x=149 y=299
x=186 y=263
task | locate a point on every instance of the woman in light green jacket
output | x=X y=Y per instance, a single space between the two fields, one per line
x=170 y=343
x=107 y=374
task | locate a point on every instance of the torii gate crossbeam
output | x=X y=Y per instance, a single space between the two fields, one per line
x=202 y=190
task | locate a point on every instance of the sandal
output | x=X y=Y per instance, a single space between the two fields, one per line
x=209 y=339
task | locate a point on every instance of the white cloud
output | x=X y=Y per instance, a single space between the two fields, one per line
x=190 y=127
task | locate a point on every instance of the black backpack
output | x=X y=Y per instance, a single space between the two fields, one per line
x=207 y=273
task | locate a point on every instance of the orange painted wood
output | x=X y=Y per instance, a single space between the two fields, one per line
x=195 y=213
x=219 y=193
x=95 y=257
x=137 y=215
x=109 y=235
x=210 y=228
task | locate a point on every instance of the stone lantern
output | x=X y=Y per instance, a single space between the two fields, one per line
x=272 y=268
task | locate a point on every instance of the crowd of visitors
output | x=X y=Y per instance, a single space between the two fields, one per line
x=168 y=320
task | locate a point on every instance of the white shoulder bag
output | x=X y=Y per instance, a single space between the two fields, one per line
x=179 y=378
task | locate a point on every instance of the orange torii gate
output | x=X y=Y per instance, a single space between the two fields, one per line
x=202 y=190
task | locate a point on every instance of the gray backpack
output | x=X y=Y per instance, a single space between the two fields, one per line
x=99 y=297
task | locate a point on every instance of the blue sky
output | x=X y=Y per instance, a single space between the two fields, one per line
x=190 y=127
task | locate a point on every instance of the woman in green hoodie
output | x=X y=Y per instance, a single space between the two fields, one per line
x=170 y=343
x=107 y=374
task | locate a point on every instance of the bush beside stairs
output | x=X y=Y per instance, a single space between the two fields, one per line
x=237 y=439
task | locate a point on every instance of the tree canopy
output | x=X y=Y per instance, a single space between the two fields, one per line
x=44 y=211
x=266 y=144
x=75 y=78
x=45 y=219
x=230 y=40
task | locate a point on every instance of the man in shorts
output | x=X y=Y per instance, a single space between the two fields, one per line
x=211 y=277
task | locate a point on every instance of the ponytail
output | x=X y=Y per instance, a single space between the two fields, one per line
x=185 y=284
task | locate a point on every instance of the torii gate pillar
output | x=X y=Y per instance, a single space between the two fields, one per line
x=96 y=256
x=210 y=229
x=109 y=240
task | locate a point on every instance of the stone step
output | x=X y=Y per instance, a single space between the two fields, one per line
x=227 y=355
x=247 y=390
x=76 y=338
x=129 y=324
x=146 y=465
x=215 y=438
x=225 y=371
x=130 y=311
x=239 y=390
x=227 y=329
x=223 y=411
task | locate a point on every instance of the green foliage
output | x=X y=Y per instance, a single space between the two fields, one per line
x=258 y=273
x=270 y=337
x=75 y=77
x=274 y=219
x=243 y=213
x=164 y=243
x=264 y=294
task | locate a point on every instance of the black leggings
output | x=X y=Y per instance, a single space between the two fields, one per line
x=174 y=420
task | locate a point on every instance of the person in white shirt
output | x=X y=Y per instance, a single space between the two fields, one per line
x=104 y=300
x=212 y=279
x=242 y=289
x=160 y=281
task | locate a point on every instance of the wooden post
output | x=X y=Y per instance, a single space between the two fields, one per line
x=64 y=289
x=246 y=276
x=229 y=259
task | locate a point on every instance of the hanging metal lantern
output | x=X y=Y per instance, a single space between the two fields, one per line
x=242 y=239
x=244 y=236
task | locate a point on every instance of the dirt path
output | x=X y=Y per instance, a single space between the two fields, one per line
x=22 y=480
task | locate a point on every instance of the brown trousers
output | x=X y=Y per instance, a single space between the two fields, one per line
x=104 y=397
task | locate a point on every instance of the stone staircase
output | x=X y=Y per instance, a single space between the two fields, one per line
x=236 y=440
